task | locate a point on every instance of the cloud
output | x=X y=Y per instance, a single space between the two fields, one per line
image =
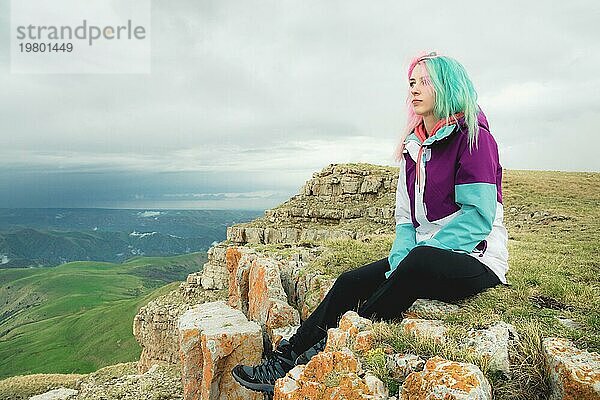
x=283 y=88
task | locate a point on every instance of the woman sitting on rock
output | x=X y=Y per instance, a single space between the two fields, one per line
x=450 y=240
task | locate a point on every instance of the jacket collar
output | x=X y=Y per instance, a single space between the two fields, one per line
x=439 y=135
x=442 y=129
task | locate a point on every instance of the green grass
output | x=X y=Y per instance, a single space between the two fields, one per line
x=77 y=317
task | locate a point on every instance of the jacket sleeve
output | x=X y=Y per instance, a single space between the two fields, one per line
x=476 y=193
x=405 y=231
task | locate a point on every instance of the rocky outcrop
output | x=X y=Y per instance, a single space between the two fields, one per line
x=213 y=338
x=574 y=373
x=447 y=380
x=339 y=202
x=155 y=325
x=239 y=261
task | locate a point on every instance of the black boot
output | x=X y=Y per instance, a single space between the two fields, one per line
x=262 y=377
x=313 y=351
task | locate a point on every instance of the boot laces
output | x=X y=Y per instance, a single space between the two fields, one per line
x=270 y=369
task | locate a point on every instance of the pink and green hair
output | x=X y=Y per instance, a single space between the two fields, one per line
x=454 y=93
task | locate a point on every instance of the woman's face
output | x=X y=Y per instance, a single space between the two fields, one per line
x=422 y=95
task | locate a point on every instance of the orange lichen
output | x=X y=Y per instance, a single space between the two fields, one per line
x=439 y=372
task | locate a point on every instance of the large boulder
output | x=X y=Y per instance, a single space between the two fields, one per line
x=446 y=380
x=213 y=338
x=155 y=325
x=574 y=373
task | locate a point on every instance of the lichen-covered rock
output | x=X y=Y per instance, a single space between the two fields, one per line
x=446 y=380
x=574 y=373
x=402 y=365
x=155 y=325
x=425 y=328
x=377 y=388
x=353 y=332
x=493 y=343
x=214 y=272
x=364 y=341
x=213 y=338
x=430 y=309
x=56 y=394
x=239 y=260
x=330 y=375
x=267 y=301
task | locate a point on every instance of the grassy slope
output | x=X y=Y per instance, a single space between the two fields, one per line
x=77 y=317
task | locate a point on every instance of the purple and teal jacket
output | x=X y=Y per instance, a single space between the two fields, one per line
x=456 y=204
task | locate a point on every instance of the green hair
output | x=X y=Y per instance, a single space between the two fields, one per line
x=454 y=93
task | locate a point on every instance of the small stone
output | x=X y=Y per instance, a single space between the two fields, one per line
x=56 y=394
x=569 y=323
x=425 y=328
x=402 y=365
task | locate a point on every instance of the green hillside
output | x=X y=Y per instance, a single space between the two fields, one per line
x=77 y=317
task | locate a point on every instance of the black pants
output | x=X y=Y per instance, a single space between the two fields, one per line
x=426 y=272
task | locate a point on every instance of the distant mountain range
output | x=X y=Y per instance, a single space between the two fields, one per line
x=34 y=237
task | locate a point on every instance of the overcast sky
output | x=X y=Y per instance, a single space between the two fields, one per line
x=246 y=99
